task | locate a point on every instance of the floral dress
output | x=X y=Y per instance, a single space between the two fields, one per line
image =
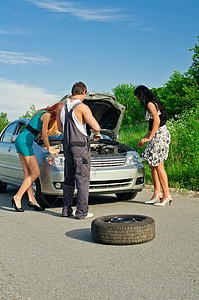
x=157 y=149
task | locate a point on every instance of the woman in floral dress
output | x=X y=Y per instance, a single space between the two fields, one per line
x=158 y=141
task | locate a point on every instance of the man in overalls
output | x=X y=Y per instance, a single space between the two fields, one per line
x=72 y=118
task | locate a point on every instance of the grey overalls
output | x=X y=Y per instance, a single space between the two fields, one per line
x=77 y=166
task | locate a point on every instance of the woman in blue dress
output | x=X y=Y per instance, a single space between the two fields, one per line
x=158 y=140
x=44 y=121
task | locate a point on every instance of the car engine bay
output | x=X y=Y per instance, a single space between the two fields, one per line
x=102 y=147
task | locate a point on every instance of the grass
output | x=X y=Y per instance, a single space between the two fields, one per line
x=182 y=165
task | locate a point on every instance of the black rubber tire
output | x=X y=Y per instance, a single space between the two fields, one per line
x=127 y=233
x=43 y=200
x=3 y=187
x=126 y=196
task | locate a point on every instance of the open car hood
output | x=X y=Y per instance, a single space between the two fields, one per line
x=106 y=110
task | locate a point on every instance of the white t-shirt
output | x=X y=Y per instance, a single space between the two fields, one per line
x=80 y=126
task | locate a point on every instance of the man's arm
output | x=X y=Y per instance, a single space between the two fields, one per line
x=89 y=119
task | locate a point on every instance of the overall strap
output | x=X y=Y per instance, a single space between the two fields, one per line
x=65 y=106
x=68 y=117
x=75 y=106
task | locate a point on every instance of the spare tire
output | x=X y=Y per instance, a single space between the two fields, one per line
x=123 y=229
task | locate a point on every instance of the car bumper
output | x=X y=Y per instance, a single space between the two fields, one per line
x=104 y=180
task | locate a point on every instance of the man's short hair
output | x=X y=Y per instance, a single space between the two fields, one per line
x=78 y=88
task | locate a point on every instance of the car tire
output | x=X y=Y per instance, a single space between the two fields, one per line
x=3 y=187
x=124 y=230
x=126 y=196
x=43 y=200
x=38 y=194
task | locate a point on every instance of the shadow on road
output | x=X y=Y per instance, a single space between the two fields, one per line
x=81 y=234
x=55 y=202
x=104 y=198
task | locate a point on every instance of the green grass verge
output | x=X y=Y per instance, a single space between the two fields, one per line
x=182 y=165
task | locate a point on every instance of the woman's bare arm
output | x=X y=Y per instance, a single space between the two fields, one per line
x=156 y=119
x=45 y=119
x=156 y=122
x=59 y=123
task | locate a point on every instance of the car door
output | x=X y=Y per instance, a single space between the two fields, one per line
x=11 y=170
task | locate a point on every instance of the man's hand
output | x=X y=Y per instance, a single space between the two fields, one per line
x=97 y=137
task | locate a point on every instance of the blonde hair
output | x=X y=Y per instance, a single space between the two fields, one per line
x=52 y=125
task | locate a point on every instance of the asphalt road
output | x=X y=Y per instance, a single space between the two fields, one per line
x=46 y=256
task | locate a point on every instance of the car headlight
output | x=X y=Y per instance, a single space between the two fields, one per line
x=55 y=161
x=132 y=158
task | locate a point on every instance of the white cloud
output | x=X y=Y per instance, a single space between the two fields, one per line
x=16 y=98
x=15 y=58
x=86 y=14
x=12 y=32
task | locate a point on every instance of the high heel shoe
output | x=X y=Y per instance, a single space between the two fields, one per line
x=154 y=200
x=19 y=209
x=167 y=200
x=36 y=207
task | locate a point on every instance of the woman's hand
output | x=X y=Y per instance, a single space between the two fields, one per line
x=143 y=141
x=54 y=151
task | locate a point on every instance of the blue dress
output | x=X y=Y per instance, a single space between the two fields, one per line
x=24 y=141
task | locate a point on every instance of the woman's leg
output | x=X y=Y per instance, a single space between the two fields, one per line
x=31 y=196
x=162 y=175
x=26 y=171
x=156 y=182
x=31 y=173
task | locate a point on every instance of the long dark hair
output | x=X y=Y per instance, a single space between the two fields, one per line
x=145 y=96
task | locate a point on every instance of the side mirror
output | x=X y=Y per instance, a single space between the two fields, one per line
x=13 y=138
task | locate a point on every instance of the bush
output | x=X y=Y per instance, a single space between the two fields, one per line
x=183 y=161
x=184 y=151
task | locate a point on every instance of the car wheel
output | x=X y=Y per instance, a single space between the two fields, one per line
x=126 y=196
x=123 y=229
x=38 y=194
x=3 y=187
x=41 y=199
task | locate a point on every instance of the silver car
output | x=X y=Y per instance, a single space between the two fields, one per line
x=115 y=167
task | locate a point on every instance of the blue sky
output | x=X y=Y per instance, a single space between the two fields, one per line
x=48 y=45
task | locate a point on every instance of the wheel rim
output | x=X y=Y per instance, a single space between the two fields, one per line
x=125 y=219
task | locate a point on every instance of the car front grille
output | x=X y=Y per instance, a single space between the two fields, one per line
x=110 y=161
x=110 y=184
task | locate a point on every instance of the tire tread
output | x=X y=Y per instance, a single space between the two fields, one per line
x=122 y=233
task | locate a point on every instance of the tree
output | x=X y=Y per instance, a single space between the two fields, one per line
x=134 y=112
x=193 y=71
x=179 y=94
x=3 y=120
x=29 y=112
